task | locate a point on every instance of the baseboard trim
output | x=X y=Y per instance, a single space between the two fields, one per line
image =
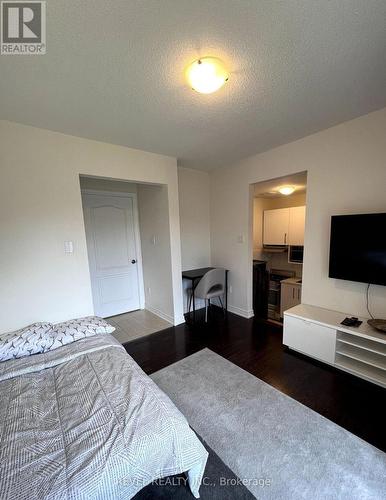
x=180 y=321
x=160 y=314
x=233 y=309
x=244 y=313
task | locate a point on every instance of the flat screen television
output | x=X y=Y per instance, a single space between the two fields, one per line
x=358 y=248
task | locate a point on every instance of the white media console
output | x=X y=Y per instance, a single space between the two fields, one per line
x=318 y=333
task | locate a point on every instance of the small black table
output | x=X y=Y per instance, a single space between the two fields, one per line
x=194 y=275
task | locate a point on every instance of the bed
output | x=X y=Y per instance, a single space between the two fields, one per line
x=83 y=421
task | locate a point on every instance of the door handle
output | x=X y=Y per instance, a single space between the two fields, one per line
x=285 y=238
x=133 y=261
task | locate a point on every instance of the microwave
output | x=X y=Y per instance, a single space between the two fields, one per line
x=295 y=254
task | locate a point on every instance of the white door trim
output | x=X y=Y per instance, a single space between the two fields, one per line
x=137 y=235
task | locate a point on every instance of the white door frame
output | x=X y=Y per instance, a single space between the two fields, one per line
x=137 y=235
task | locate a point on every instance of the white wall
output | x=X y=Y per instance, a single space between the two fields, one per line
x=346 y=168
x=194 y=193
x=40 y=208
x=155 y=244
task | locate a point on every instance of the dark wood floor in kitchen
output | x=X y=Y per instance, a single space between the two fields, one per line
x=256 y=346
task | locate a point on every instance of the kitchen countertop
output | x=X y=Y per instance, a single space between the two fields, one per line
x=292 y=281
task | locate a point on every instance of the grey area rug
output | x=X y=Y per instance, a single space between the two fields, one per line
x=278 y=447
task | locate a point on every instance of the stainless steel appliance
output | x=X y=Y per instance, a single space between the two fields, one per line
x=295 y=254
x=275 y=277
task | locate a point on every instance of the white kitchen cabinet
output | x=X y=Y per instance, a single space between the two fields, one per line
x=297 y=218
x=290 y=295
x=275 y=228
x=284 y=226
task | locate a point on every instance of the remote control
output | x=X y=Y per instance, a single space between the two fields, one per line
x=353 y=321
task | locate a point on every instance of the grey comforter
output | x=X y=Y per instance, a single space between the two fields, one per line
x=84 y=422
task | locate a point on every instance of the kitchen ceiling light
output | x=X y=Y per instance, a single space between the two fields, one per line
x=286 y=190
x=206 y=75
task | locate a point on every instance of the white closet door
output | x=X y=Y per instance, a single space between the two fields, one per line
x=111 y=245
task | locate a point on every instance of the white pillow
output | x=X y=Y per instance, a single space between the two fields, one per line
x=32 y=339
x=75 y=329
x=43 y=337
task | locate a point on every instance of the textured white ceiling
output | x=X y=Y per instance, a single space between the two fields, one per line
x=114 y=72
x=270 y=188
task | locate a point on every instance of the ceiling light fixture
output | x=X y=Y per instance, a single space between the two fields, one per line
x=286 y=190
x=206 y=75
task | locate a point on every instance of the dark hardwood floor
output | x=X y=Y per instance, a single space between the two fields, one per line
x=256 y=346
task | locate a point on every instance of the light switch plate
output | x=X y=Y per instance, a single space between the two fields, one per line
x=68 y=247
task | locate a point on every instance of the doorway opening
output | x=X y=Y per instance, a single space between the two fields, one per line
x=126 y=228
x=279 y=211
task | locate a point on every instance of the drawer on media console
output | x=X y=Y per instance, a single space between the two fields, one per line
x=310 y=338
